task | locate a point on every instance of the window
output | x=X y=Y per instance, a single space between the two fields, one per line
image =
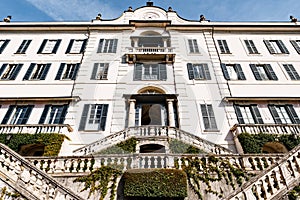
x=193 y=46
x=76 y=46
x=276 y=47
x=284 y=114
x=54 y=114
x=263 y=72
x=23 y=47
x=107 y=46
x=94 y=117
x=251 y=47
x=100 y=71
x=37 y=71
x=17 y=114
x=67 y=71
x=233 y=72
x=144 y=71
x=49 y=46
x=3 y=44
x=198 y=71
x=291 y=71
x=223 y=47
x=296 y=45
x=10 y=71
x=208 y=117
x=248 y=114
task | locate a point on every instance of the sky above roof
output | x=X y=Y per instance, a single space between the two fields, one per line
x=214 y=10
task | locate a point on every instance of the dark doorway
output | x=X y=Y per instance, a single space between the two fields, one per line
x=31 y=150
x=152 y=148
x=151 y=114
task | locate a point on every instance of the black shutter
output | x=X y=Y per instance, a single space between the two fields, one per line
x=70 y=46
x=27 y=114
x=83 y=46
x=44 y=114
x=293 y=115
x=8 y=114
x=225 y=72
x=5 y=43
x=56 y=46
x=29 y=71
x=84 y=117
x=226 y=46
x=75 y=71
x=26 y=46
x=63 y=114
x=270 y=72
x=45 y=71
x=114 y=50
x=60 y=71
x=239 y=114
x=269 y=47
x=257 y=117
x=94 y=72
x=291 y=72
x=21 y=46
x=274 y=114
x=191 y=46
x=162 y=72
x=138 y=71
x=42 y=46
x=15 y=72
x=295 y=45
x=282 y=47
x=103 y=117
x=206 y=72
x=100 y=46
x=248 y=46
x=255 y=72
x=190 y=71
x=239 y=71
x=3 y=68
x=221 y=46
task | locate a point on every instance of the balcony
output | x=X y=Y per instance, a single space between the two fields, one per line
x=161 y=54
x=34 y=128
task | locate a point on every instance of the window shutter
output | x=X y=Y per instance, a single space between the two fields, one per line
x=257 y=117
x=15 y=72
x=42 y=46
x=269 y=47
x=282 y=47
x=21 y=46
x=196 y=46
x=63 y=114
x=26 y=46
x=239 y=114
x=29 y=71
x=274 y=114
x=60 y=71
x=5 y=43
x=3 y=68
x=44 y=114
x=295 y=45
x=225 y=72
x=239 y=71
x=255 y=72
x=83 y=46
x=56 y=46
x=70 y=46
x=27 y=114
x=105 y=71
x=103 y=117
x=138 y=71
x=8 y=114
x=248 y=46
x=191 y=46
x=162 y=72
x=94 y=72
x=114 y=50
x=254 y=49
x=84 y=117
x=206 y=72
x=270 y=72
x=221 y=46
x=190 y=71
x=226 y=46
x=75 y=71
x=293 y=115
x=45 y=71
x=100 y=46
x=205 y=116
x=291 y=72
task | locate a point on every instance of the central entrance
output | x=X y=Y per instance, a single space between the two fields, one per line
x=151 y=114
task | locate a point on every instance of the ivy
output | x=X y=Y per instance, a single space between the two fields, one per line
x=127 y=146
x=179 y=147
x=294 y=194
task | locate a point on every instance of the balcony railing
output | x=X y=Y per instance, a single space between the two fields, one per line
x=154 y=50
x=34 y=128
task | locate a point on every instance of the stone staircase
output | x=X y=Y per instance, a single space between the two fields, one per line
x=145 y=132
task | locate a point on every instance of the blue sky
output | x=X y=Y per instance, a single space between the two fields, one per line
x=214 y=10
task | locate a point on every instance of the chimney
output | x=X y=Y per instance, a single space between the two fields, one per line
x=149 y=3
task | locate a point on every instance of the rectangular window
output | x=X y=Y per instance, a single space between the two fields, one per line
x=233 y=72
x=23 y=47
x=208 y=116
x=49 y=46
x=76 y=46
x=37 y=71
x=10 y=71
x=263 y=72
x=100 y=71
x=3 y=44
x=67 y=71
x=276 y=47
x=193 y=46
x=251 y=47
x=284 y=114
x=223 y=47
x=17 y=114
x=107 y=46
x=198 y=71
x=93 y=117
x=296 y=45
x=248 y=114
x=54 y=114
x=144 y=71
x=291 y=71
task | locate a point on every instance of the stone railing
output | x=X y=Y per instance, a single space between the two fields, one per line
x=266 y=128
x=274 y=182
x=34 y=128
x=152 y=131
x=30 y=182
x=150 y=49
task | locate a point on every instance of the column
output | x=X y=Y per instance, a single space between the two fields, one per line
x=171 y=112
x=131 y=114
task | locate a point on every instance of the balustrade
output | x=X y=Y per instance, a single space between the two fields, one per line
x=150 y=49
x=34 y=128
x=266 y=128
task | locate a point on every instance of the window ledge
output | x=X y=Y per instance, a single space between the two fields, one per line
x=211 y=130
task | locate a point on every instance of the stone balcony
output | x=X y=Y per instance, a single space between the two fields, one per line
x=35 y=128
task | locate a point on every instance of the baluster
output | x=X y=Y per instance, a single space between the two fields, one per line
x=142 y=162
x=80 y=165
x=155 y=159
x=163 y=160
x=88 y=164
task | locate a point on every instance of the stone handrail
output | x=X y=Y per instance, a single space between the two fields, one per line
x=34 y=128
x=273 y=182
x=150 y=49
x=29 y=181
x=152 y=131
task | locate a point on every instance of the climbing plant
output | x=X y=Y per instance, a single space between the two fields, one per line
x=177 y=146
x=127 y=146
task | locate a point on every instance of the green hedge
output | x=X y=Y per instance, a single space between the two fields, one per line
x=177 y=146
x=127 y=146
x=155 y=183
